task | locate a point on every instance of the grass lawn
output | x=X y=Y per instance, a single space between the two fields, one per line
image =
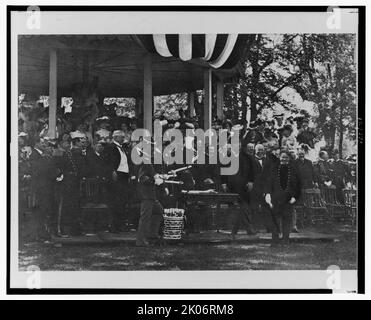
x=223 y=256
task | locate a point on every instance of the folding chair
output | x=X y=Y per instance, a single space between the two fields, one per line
x=314 y=205
x=299 y=210
x=336 y=209
x=95 y=211
x=350 y=197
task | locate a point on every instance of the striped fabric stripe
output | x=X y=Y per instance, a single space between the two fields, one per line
x=210 y=40
x=159 y=41
x=185 y=47
x=215 y=49
x=231 y=41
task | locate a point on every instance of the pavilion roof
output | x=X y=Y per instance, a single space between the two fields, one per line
x=115 y=63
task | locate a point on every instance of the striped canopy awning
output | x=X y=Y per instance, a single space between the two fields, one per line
x=219 y=51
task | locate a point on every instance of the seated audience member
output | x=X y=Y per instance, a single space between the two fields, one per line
x=103 y=131
x=270 y=136
x=293 y=154
x=323 y=170
x=253 y=136
x=305 y=134
x=250 y=149
x=127 y=132
x=133 y=124
x=288 y=140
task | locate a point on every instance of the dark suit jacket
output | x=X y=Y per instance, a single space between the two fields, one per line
x=75 y=167
x=113 y=157
x=96 y=165
x=305 y=173
x=323 y=172
x=261 y=173
x=146 y=182
x=340 y=172
x=43 y=173
x=237 y=182
x=273 y=186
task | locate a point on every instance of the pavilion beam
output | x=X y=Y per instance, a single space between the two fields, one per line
x=147 y=93
x=52 y=94
x=208 y=98
x=219 y=99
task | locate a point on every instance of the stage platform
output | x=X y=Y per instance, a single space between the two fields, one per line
x=204 y=237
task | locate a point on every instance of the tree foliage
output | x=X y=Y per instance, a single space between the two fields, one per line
x=319 y=67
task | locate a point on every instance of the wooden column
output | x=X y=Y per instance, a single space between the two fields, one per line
x=138 y=106
x=147 y=93
x=52 y=93
x=191 y=103
x=219 y=99
x=207 y=99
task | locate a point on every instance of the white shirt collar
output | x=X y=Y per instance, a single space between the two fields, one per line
x=117 y=144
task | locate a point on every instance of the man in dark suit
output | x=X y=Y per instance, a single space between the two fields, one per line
x=97 y=162
x=239 y=183
x=323 y=169
x=261 y=167
x=118 y=161
x=340 y=173
x=282 y=191
x=72 y=168
x=43 y=175
x=305 y=170
x=151 y=209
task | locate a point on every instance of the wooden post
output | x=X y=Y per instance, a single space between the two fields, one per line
x=138 y=106
x=191 y=104
x=219 y=99
x=52 y=94
x=207 y=99
x=147 y=93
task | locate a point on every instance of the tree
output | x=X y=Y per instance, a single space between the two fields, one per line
x=329 y=79
x=269 y=68
x=319 y=67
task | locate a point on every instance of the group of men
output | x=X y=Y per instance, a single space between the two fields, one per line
x=269 y=181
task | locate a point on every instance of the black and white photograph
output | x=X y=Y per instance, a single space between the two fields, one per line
x=185 y=149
